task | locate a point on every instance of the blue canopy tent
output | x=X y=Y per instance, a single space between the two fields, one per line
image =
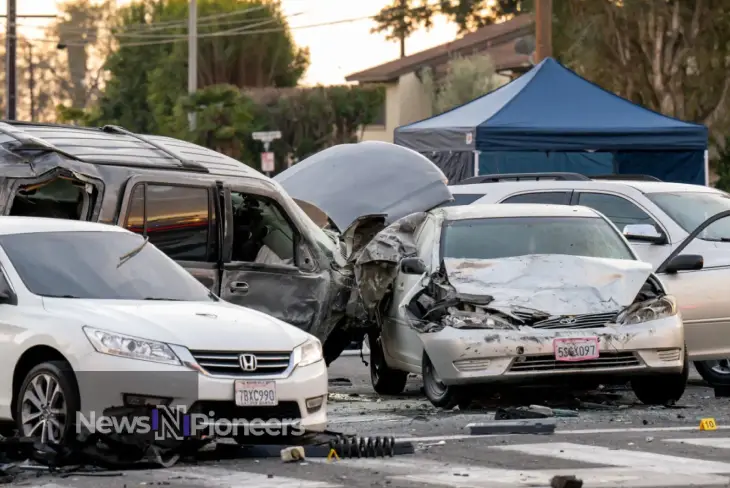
x=551 y=119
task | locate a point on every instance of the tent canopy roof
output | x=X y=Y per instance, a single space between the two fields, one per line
x=551 y=108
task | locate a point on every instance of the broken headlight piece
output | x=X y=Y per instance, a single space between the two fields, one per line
x=659 y=308
x=462 y=319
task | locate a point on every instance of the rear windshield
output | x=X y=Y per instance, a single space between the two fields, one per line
x=507 y=237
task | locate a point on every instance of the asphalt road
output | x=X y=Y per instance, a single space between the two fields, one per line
x=612 y=443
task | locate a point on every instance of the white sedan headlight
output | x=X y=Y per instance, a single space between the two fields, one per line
x=660 y=308
x=121 y=345
x=308 y=353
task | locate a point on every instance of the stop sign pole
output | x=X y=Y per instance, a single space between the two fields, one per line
x=267 y=138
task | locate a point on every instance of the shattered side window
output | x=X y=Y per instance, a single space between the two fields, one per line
x=261 y=232
x=507 y=237
x=61 y=198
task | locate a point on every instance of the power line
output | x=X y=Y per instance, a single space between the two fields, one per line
x=227 y=33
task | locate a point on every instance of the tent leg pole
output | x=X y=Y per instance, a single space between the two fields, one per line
x=707 y=167
x=476 y=163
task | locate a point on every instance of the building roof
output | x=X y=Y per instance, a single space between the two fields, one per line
x=115 y=146
x=497 y=40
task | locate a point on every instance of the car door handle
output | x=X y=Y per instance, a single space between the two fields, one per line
x=239 y=286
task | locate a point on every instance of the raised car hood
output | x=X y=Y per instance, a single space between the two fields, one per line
x=556 y=284
x=349 y=181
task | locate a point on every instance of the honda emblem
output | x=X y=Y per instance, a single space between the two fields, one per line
x=248 y=362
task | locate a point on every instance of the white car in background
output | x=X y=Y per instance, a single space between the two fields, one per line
x=94 y=319
x=657 y=219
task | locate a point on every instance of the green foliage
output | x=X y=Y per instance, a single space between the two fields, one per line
x=148 y=72
x=465 y=80
x=223 y=118
x=402 y=18
x=313 y=119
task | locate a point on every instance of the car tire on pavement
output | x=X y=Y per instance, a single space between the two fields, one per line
x=661 y=389
x=47 y=403
x=385 y=380
x=439 y=394
x=716 y=373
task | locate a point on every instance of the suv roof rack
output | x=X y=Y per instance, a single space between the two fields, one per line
x=186 y=164
x=30 y=143
x=626 y=177
x=496 y=178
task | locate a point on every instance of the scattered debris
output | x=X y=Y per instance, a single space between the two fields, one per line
x=291 y=454
x=339 y=382
x=524 y=426
x=561 y=481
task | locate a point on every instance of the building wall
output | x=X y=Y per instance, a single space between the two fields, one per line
x=406 y=101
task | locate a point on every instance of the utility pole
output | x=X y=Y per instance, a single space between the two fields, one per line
x=11 y=52
x=31 y=81
x=192 y=55
x=543 y=29
x=11 y=43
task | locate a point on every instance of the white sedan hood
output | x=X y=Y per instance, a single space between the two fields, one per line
x=555 y=284
x=210 y=326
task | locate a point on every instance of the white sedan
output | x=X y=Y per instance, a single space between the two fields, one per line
x=488 y=294
x=95 y=323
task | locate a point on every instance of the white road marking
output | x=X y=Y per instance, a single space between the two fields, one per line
x=231 y=478
x=468 y=476
x=458 y=437
x=356 y=419
x=717 y=442
x=635 y=459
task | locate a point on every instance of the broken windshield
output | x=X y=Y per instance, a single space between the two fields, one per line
x=504 y=237
x=690 y=209
x=85 y=265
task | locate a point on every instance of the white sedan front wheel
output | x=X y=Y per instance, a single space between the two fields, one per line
x=47 y=403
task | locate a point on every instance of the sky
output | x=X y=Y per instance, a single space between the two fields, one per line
x=336 y=50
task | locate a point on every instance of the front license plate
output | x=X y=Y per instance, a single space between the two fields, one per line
x=255 y=393
x=578 y=349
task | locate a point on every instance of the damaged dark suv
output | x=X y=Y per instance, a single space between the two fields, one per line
x=237 y=231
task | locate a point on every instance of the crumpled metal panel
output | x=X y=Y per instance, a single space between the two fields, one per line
x=556 y=284
x=376 y=267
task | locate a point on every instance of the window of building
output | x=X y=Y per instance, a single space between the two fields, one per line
x=178 y=220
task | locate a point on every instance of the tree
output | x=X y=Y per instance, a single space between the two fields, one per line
x=471 y=15
x=82 y=37
x=671 y=56
x=465 y=80
x=402 y=18
x=241 y=43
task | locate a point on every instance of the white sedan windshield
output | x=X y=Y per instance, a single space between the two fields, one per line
x=507 y=237
x=690 y=209
x=101 y=265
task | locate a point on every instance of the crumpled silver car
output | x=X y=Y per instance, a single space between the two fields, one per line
x=485 y=294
